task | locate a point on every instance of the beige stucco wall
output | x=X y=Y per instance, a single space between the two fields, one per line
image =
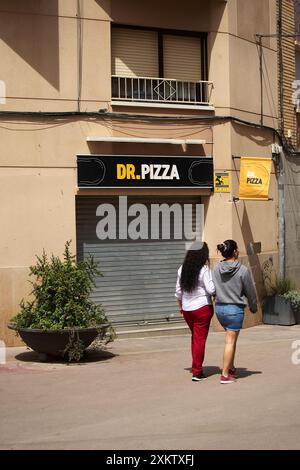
x=42 y=72
x=38 y=185
x=292 y=220
x=193 y=15
x=37 y=212
x=39 y=59
x=243 y=221
x=40 y=45
x=38 y=188
x=239 y=53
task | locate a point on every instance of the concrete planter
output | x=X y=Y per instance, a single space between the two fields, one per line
x=278 y=311
x=55 y=342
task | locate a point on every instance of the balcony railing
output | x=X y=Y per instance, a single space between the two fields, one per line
x=160 y=90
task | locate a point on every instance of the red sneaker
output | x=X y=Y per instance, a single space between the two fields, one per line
x=227 y=380
x=233 y=372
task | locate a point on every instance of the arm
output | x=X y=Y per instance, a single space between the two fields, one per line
x=208 y=282
x=180 y=307
x=178 y=292
x=249 y=289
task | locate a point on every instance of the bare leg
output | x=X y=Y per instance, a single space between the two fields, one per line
x=234 y=348
x=229 y=351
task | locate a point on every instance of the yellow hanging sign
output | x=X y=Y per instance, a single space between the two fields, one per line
x=255 y=178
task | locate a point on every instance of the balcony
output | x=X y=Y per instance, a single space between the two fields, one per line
x=161 y=92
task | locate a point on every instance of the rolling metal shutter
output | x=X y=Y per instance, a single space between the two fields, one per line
x=134 y=53
x=182 y=58
x=139 y=277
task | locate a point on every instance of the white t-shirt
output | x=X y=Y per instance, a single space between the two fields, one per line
x=201 y=296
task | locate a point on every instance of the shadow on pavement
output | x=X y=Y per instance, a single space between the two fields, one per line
x=242 y=372
x=211 y=370
x=208 y=370
x=92 y=355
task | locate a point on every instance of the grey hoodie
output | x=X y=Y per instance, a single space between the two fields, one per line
x=234 y=283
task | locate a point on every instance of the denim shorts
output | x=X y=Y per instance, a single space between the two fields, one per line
x=230 y=316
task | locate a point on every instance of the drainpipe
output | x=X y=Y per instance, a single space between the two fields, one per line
x=281 y=218
x=259 y=38
x=280 y=66
x=79 y=53
x=281 y=159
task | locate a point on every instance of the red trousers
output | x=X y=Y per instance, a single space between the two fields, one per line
x=198 y=322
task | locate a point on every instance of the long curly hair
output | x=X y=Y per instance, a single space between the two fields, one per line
x=196 y=257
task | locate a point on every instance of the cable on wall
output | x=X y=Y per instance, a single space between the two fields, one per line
x=79 y=53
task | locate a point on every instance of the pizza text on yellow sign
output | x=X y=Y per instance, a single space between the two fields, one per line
x=255 y=178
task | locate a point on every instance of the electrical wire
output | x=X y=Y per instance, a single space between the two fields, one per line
x=79 y=53
x=141 y=117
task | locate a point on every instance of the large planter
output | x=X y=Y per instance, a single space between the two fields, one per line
x=278 y=311
x=55 y=342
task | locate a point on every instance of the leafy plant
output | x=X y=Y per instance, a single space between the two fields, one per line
x=293 y=296
x=75 y=347
x=282 y=285
x=60 y=293
x=285 y=288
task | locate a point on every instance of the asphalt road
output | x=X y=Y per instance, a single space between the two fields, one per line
x=138 y=394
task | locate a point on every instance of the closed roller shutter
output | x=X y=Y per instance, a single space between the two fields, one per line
x=138 y=282
x=134 y=53
x=182 y=58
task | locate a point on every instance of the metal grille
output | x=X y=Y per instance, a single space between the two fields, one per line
x=161 y=90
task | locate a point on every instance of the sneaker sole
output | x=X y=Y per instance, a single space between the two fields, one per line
x=199 y=380
x=227 y=381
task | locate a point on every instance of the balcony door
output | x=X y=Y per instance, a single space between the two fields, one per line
x=158 y=66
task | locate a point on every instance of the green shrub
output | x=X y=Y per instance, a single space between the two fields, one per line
x=282 y=286
x=61 y=294
x=293 y=296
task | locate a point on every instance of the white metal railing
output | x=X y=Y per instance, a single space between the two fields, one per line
x=161 y=90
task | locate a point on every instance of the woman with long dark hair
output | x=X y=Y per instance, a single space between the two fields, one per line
x=234 y=284
x=194 y=289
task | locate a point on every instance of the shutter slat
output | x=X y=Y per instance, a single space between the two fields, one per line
x=134 y=53
x=182 y=58
x=138 y=282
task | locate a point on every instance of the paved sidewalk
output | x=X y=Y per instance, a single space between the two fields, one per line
x=139 y=395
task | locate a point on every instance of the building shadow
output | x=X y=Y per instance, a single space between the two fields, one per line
x=254 y=261
x=292 y=218
x=131 y=149
x=242 y=218
x=105 y=5
x=40 y=49
x=155 y=12
x=262 y=137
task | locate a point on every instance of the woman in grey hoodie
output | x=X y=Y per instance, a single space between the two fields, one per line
x=234 y=284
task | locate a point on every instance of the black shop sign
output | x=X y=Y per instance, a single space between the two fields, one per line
x=144 y=171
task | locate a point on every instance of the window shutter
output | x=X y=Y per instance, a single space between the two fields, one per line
x=182 y=58
x=134 y=53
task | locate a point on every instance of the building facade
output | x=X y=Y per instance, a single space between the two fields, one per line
x=291 y=134
x=119 y=82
